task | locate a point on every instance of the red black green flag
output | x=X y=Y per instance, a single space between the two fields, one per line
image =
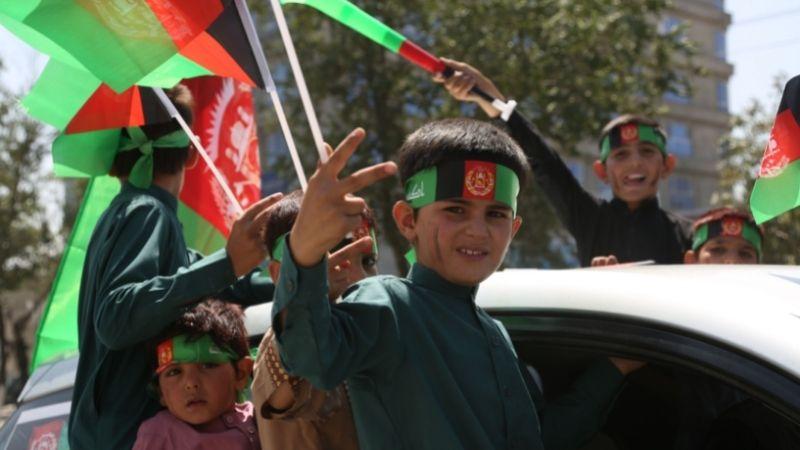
x=777 y=188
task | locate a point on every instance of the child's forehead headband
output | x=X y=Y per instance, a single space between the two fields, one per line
x=470 y=179
x=631 y=133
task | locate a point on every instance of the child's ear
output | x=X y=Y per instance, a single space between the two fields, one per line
x=274 y=269
x=600 y=170
x=244 y=368
x=403 y=215
x=670 y=161
x=689 y=257
x=515 y=226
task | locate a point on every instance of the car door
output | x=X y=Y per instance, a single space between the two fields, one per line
x=695 y=392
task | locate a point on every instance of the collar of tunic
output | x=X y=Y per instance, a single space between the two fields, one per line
x=429 y=279
x=154 y=191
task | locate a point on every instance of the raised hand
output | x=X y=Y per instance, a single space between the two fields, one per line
x=245 y=245
x=329 y=210
x=463 y=79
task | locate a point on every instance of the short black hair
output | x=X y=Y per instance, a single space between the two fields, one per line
x=222 y=321
x=283 y=214
x=457 y=140
x=166 y=161
x=281 y=218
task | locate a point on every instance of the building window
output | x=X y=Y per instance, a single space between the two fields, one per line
x=681 y=193
x=669 y=24
x=577 y=168
x=679 y=140
x=722 y=96
x=720 y=4
x=676 y=98
x=720 y=50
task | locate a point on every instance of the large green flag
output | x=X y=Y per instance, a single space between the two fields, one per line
x=57 y=334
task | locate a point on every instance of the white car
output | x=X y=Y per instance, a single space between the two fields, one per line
x=722 y=345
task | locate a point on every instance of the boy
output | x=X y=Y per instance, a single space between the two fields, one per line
x=290 y=412
x=425 y=367
x=202 y=366
x=725 y=236
x=138 y=276
x=633 y=160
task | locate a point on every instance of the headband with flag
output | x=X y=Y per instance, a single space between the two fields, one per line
x=629 y=133
x=735 y=225
x=180 y=349
x=141 y=175
x=478 y=180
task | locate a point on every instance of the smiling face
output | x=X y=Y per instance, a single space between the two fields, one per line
x=198 y=393
x=464 y=241
x=727 y=250
x=633 y=171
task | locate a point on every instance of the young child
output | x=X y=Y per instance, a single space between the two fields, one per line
x=426 y=368
x=633 y=161
x=202 y=367
x=725 y=236
x=139 y=275
x=290 y=412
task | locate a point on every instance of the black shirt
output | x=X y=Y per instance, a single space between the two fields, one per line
x=601 y=227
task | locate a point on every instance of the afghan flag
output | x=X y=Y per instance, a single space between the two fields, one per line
x=777 y=188
x=356 y=19
x=145 y=42
x=225 y=123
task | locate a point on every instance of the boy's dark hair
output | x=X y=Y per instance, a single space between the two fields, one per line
x=281 y=218
x=631 y=118
x=284 y=213
x=459 y=139
x=166 y=161
x=222 y=321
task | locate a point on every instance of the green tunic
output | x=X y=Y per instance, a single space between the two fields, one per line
x=137 y=278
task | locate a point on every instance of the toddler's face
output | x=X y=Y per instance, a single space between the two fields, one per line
x=198 y=393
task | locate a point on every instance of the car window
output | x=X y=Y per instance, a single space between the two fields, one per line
x=39 y=424
x=679 y=401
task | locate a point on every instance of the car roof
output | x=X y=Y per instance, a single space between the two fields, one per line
x=754 y=308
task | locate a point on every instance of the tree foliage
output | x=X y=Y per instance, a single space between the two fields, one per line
x=740 y=161
x=571 y=65
x=28 y=246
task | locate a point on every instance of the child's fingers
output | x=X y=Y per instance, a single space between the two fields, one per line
x=353 y=206
x=261 y=206
x=343 y=152
x=358 y=247
x=367 y=176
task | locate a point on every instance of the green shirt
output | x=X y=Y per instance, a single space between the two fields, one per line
x=426 y=368
x=137 y=278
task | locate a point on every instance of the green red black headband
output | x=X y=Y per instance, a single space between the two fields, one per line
x=469 y=179
x=735 y=225
x=630 y=133
x=179 y=349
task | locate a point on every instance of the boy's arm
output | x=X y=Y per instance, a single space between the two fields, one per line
x=572 y=203
x=569 y=421
x=252 y=289
x=133 y=305
x=326 y=344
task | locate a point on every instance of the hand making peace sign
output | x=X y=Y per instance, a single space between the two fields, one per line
x=329 y=210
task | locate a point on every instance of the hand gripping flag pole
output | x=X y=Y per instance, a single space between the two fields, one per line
x=263 y=67
x=300 y=80
x=355 y=18
x=173 y=112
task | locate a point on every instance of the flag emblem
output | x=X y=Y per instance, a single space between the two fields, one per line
x=480 y=181
x=417 y=191
x=164 y=352
x=732 y=226
x=629 y=133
